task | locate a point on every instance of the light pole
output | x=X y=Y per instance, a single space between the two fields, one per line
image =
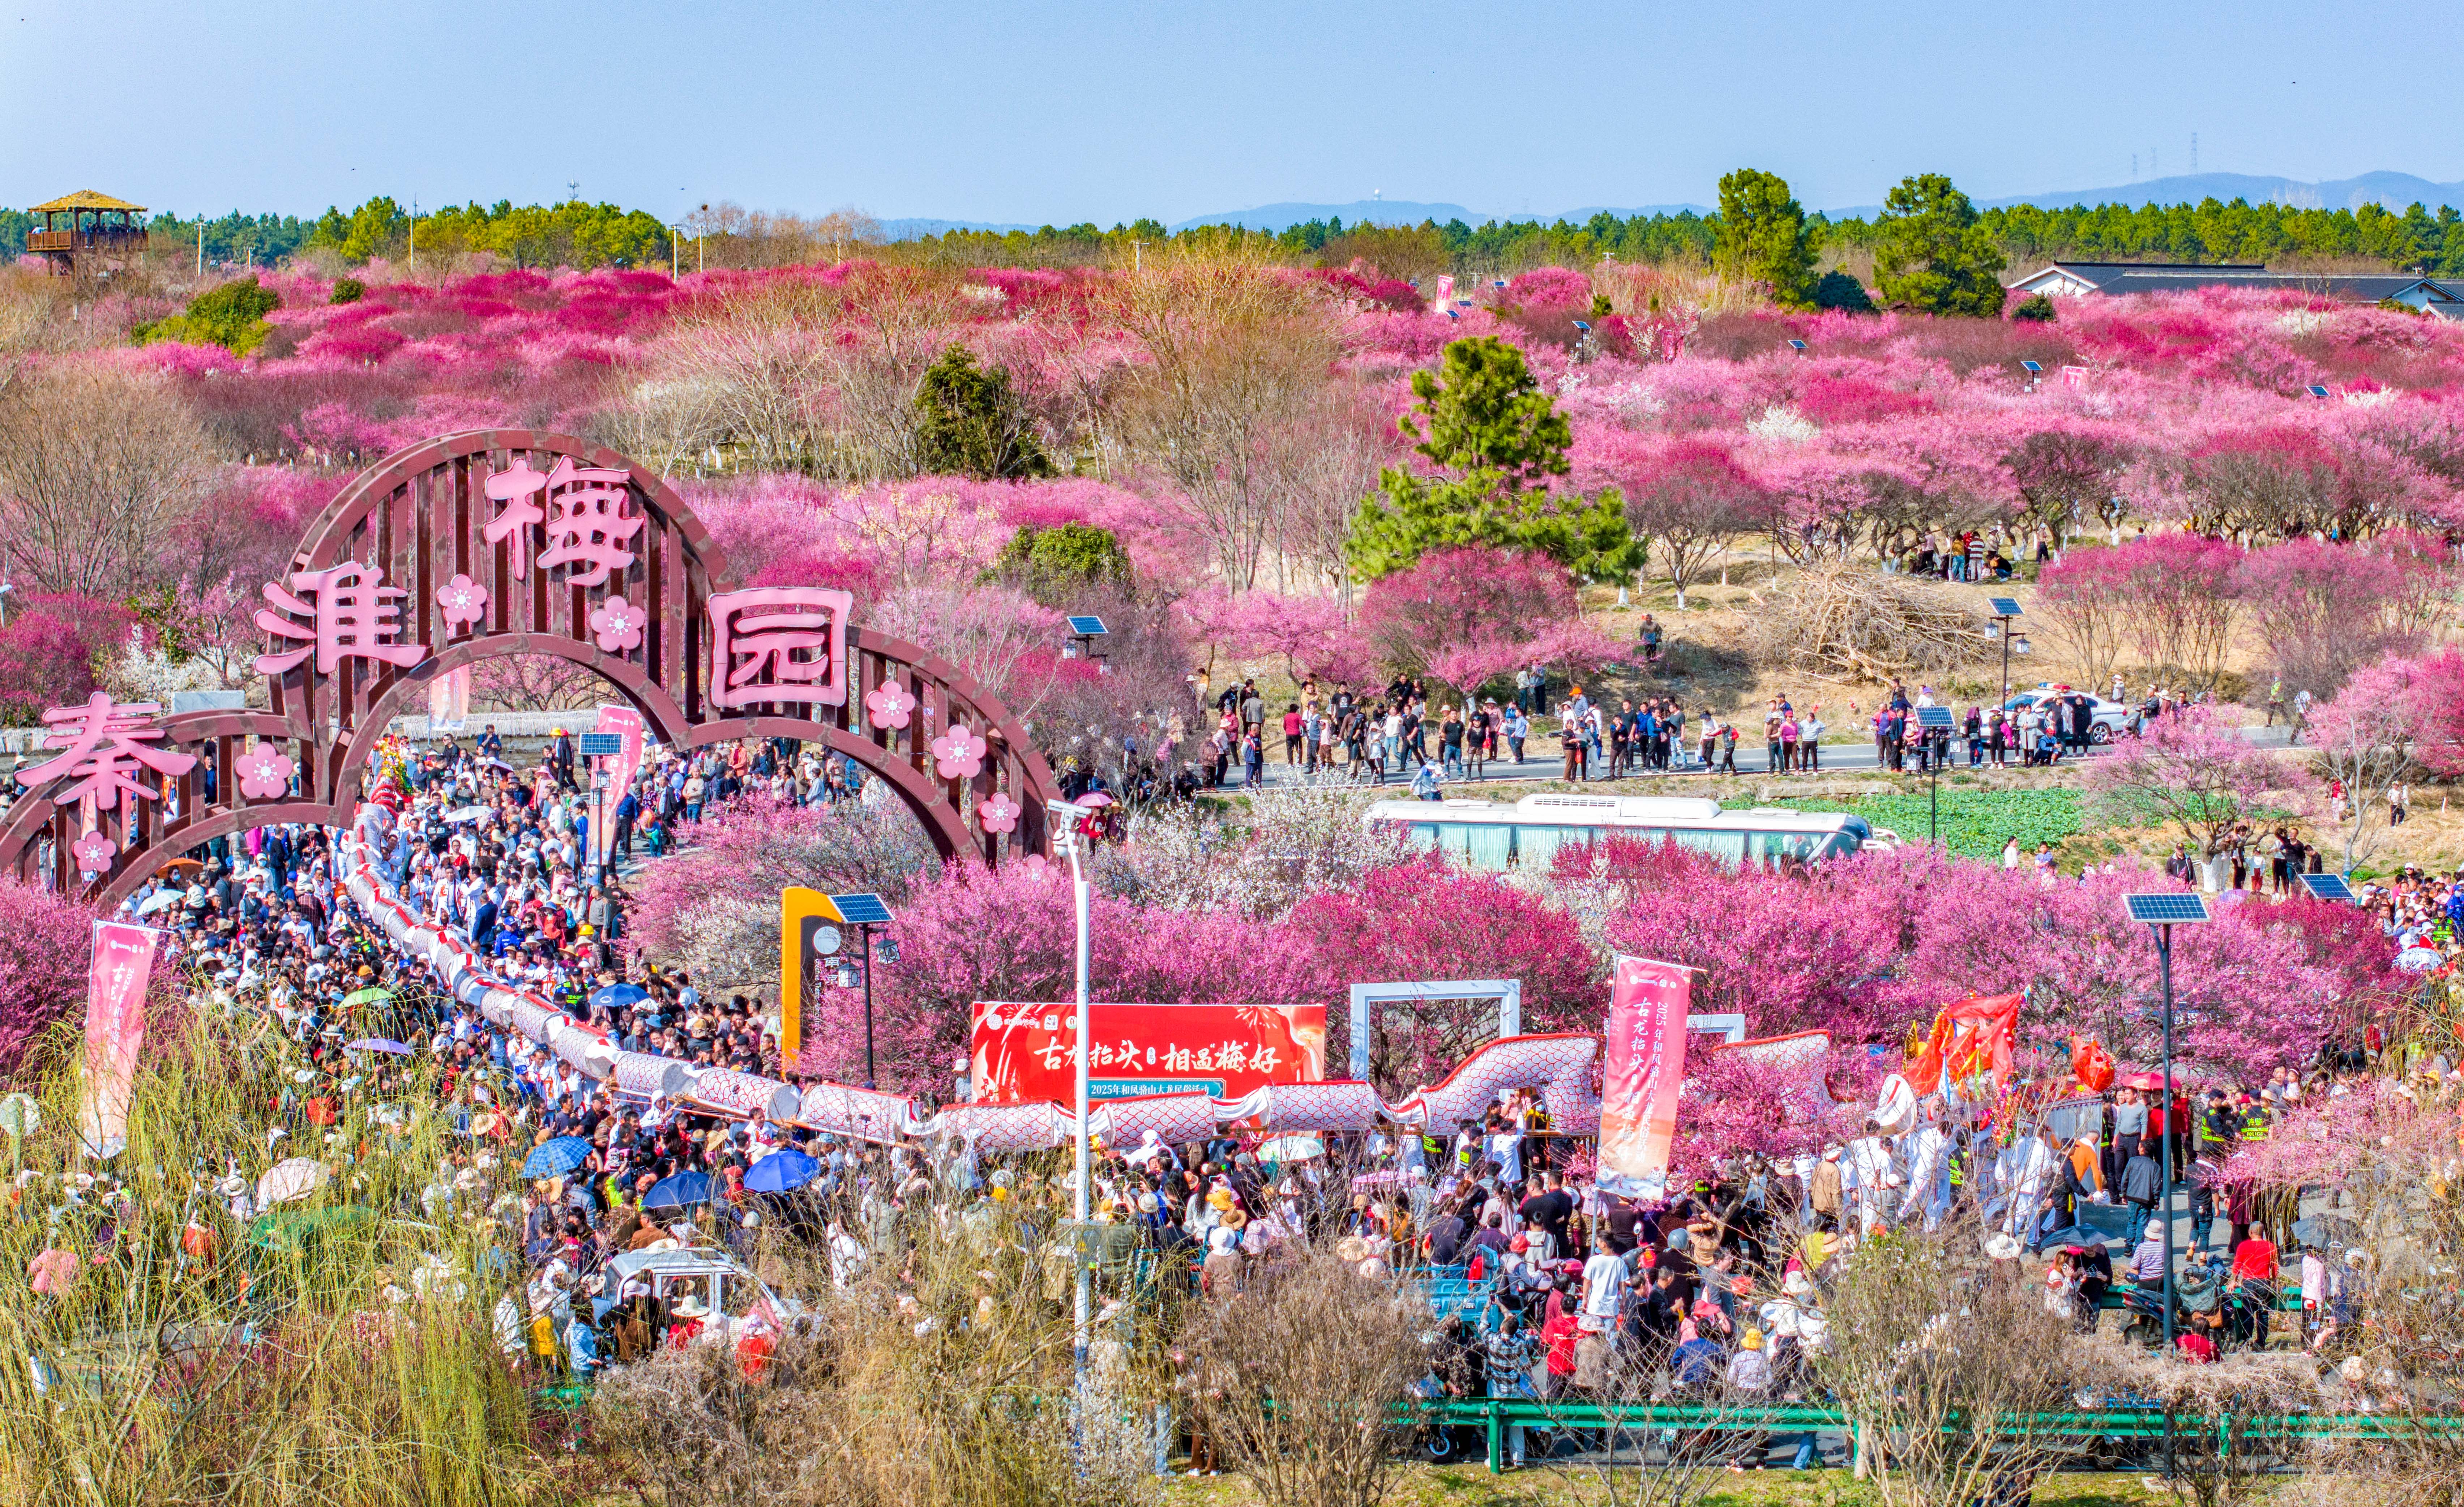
x=864 y=911
x=1935 y=722
x=1068 y=815
x=2160 y=913
x=2006 y=618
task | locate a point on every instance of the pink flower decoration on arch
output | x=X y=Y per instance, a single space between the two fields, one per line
x=92 y=852
x=617 y=625
x=265 y=774
x=465 y=601
x=888 y=704
x=1000 y=814
x=959 y=754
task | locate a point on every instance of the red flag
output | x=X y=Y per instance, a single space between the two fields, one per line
x=1971 y=1037
x=1640 y=1070
x=616 y=774
x=115 y=1027
x=2092 y=1063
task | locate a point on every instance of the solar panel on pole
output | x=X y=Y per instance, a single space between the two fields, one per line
x=2168 y=908
x=603 y=745
x=1931 y=717
x=2327 y=887
x=1087 y=626
x=2004 y=605
x=860 y=910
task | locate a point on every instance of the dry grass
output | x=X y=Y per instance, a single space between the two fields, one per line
x=1843 y=618
x=250 y=1373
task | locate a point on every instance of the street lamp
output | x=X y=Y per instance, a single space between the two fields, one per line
x=1064 y=816
x=864 y=913
x=1936 y=724
x=2160 y=913
x=2005 y=627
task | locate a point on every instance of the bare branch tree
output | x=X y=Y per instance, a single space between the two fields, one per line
x=94 y=466
x=1235 y=353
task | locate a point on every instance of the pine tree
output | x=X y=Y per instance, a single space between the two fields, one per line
x=1932 y=254
x=969 y=422
x=1496 y=438
x=1764 y=236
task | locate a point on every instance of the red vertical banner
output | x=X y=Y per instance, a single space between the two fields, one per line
x=1640 y=1070
x=449 y=702
x=114 y=1027
x=616 y=774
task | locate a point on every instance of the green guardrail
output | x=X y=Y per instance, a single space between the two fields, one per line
x=1495 y=1416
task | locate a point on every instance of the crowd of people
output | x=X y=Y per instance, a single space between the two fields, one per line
x=1721 y=1286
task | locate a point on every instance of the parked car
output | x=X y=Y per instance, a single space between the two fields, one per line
x=2109 y=719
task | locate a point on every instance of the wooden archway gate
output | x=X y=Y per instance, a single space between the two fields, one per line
x=492 y=542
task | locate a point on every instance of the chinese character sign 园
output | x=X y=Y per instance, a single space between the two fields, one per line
x=795 y=636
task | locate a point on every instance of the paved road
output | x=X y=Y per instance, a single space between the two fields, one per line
x=1844 y=758
x=1837 y=759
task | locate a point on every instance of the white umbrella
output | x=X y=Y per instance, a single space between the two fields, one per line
x=290 y=1179
x=468 y=813
x=1303 y=1148
x=159 y=900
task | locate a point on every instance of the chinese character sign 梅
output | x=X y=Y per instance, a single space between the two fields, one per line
x=778 y=644
x=581 y=510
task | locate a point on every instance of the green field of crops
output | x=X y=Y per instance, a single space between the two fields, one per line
x=1974 y=823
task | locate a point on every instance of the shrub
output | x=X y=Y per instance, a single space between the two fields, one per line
x=1057 y=564
x=43 y=946
x=2035 y=309
x=348 y=290
x=1838 y=290
x=231 y=316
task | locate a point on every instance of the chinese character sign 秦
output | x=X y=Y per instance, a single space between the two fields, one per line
x=106 y=751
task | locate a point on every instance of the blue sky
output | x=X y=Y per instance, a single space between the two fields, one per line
x=1077 y=109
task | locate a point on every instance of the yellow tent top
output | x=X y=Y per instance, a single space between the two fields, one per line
x=88 y=199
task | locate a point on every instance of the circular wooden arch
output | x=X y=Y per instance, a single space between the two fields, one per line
x=420 y=514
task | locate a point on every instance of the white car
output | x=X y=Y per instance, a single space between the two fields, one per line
x=2109 y=718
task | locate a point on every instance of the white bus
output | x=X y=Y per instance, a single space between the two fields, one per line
x=1489 y=835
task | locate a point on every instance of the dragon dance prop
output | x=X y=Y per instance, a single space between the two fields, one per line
x=1560 y=1066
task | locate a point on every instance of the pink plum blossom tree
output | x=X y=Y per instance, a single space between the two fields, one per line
x=44 y=947
x=2194 y=772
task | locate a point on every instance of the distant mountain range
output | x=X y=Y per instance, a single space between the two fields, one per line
x=2395 y=191
x=1403 y=212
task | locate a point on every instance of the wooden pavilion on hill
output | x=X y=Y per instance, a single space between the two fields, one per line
x=86 y=225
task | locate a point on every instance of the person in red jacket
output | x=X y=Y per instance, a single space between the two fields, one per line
x=2255 y=1274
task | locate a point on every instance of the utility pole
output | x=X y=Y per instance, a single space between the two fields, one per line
x=200 y=245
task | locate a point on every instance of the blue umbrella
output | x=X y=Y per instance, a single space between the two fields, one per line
x=555 y=1158
x=616 y=996
x=782 y=1172
x=678 y=1191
